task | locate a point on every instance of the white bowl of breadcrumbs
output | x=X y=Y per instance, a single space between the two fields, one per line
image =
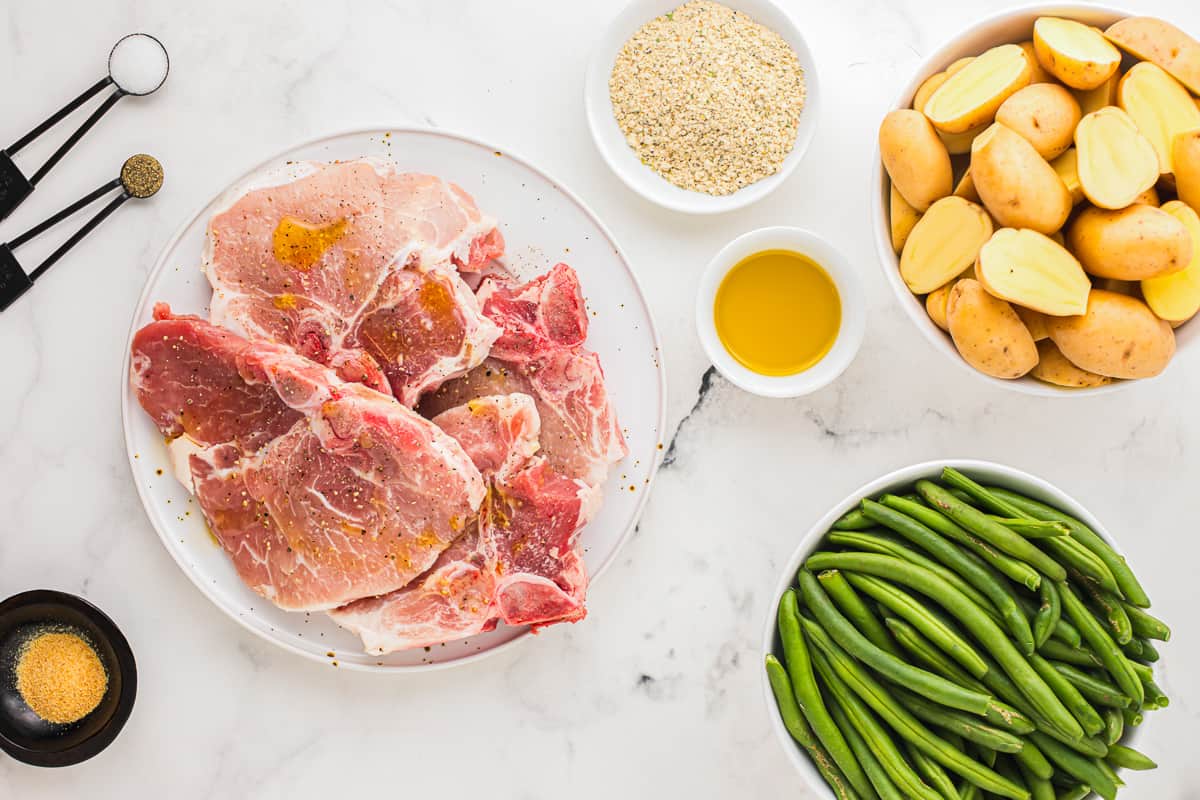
x=702 y=107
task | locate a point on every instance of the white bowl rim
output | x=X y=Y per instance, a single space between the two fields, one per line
x=849 y=287
x=889 y=261
x=643 y=180
x=1019 y=480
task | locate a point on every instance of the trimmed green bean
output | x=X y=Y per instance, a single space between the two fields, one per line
x=1077 y=557
x=1033 y=528
x=983 y=629
x=1077 y=766
x=935 y=687
x=912 y=610
x=1114 y=725
x=1058 y=651
x=852 y=520
x=1079 y=792
x=975 y=494
x=799 y=667
x=1134 y=650
x=1098 y=691
x=1126 y=580
x=1040 y=788
x=904 y=723
x=1008 y=768
x=1108 y=609
x=1155 y=696
x=991 y=531
x=1103 y=646
x=1128 y=758
x=1149 y=652
x=932 y=772
x=850 y=604
x=1014 y=569
x=964 y=725
x=1064 y=631
x=1032 y=759
x=1048 y=615
x=1147 y=625
x=977 y=575
x=875 y=772
x=1107 y=769
x=1089 y=719
x=797 y=726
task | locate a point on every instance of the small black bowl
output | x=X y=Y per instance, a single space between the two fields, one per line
x=25 y=736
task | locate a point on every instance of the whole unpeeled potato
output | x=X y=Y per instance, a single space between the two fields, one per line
x=1018 y=187
x=915 y=158
x=1130 y=244
x=1045 y=114
x=1185 y=154
x=1053 y=367
x=1118 y=336
x=988 y=333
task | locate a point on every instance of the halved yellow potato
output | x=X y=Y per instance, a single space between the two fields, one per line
x=1035 y=321
x=1018 y=187
x=1076 y=54
x=1118 y=336
x=970 y=97
x=1066 y=167
x=1176 y=297
x=1185 y=155
x=1053 y=367
x=1032 y=270
x=958 y=64
x=915 y=158
x=1045 y=114
x=902 y=217
x=943 y=243
x=1160 y=107
x=1095 y=99
x=987 y=332
x=1039 y=72
x=1115 y=161
x=926 y=90
x=1160 y=43
x=1129 y=244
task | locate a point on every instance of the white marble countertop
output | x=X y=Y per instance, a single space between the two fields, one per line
x=656 y=694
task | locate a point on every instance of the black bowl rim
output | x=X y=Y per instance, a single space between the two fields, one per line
x=125 y=663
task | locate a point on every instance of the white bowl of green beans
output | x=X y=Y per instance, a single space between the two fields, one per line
x=957 y=628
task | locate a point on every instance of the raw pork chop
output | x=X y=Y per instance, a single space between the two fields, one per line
x=541 y=353
x=518 y=565
x=330 y=261
x=356 y=498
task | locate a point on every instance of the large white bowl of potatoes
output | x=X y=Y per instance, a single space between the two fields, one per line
x=1039 y=196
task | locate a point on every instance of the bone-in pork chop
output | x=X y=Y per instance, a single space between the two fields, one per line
x=358 y=496
x=313 y=263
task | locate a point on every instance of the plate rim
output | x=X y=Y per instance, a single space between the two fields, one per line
x=274 y=159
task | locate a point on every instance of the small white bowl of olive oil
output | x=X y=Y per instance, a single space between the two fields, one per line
x=780 y=312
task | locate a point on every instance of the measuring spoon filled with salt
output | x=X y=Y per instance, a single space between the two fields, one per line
x=137 y=65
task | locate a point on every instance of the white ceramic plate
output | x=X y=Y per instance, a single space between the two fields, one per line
x=899 y=482
x=1012 y=26
x=543 y=223
x=621 y=158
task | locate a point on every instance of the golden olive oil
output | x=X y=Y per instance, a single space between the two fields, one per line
x=777 y=312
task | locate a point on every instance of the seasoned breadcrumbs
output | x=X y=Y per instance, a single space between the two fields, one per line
x=708 y=98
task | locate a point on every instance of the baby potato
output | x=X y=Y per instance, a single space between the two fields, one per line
x=1066 y=167
x=959 y=143
x=915 y=158
x=1119 y=337
x=902 y=217
x=969 y=98
x=966 y=188
x=1053 y=367
x=943 y=243
x=1114 y=160
x=1148 y=198
x=1018 y=187
x=1176 y=297
x=926 y=90
x=1160 y=107
x=1039 y=72
x=1045 y=114
x=988 y=333
x=1035 y=321
x=1159 y=43
x=1185 y=155
x=1095 y=99
x=1076 y=54
x=935 y=305
x=1032 y=270
x=1130 y=244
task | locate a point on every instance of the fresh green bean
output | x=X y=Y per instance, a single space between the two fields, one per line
x=964 y=725
x=1155 y=696
x=852 y=520
x=1040 y=788
x=879 y=741
x=797 y=726
x=1107 y=769
x=875 y=772
x=983 y=629
x=852 y=606
x=1103 y=646
x=1149 y=652
x=991 y=531
x=1147 y=625
x=1049 y=615
x=1032 y=759
x=1126 y=580
x=912 y=610
x=1133 y=718
x=1079 y=792
x=932 y=772
x=1108 y=609
x=1033 y=528
x=1077 y=766
x=935 y=687
x=977 y=495
x=977 y=575
x=890 y=546
x=1003 y=687
x=1018 y=571
x=1128 y=758
x=1114 y=725
x=1098 y=691
x=1089 y=719
x=1077 y=557
x=1008 y=769
x=1058 y=651
x=1134 y=649
x=1064 y=631
x=799 y=667
x=904 y=723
